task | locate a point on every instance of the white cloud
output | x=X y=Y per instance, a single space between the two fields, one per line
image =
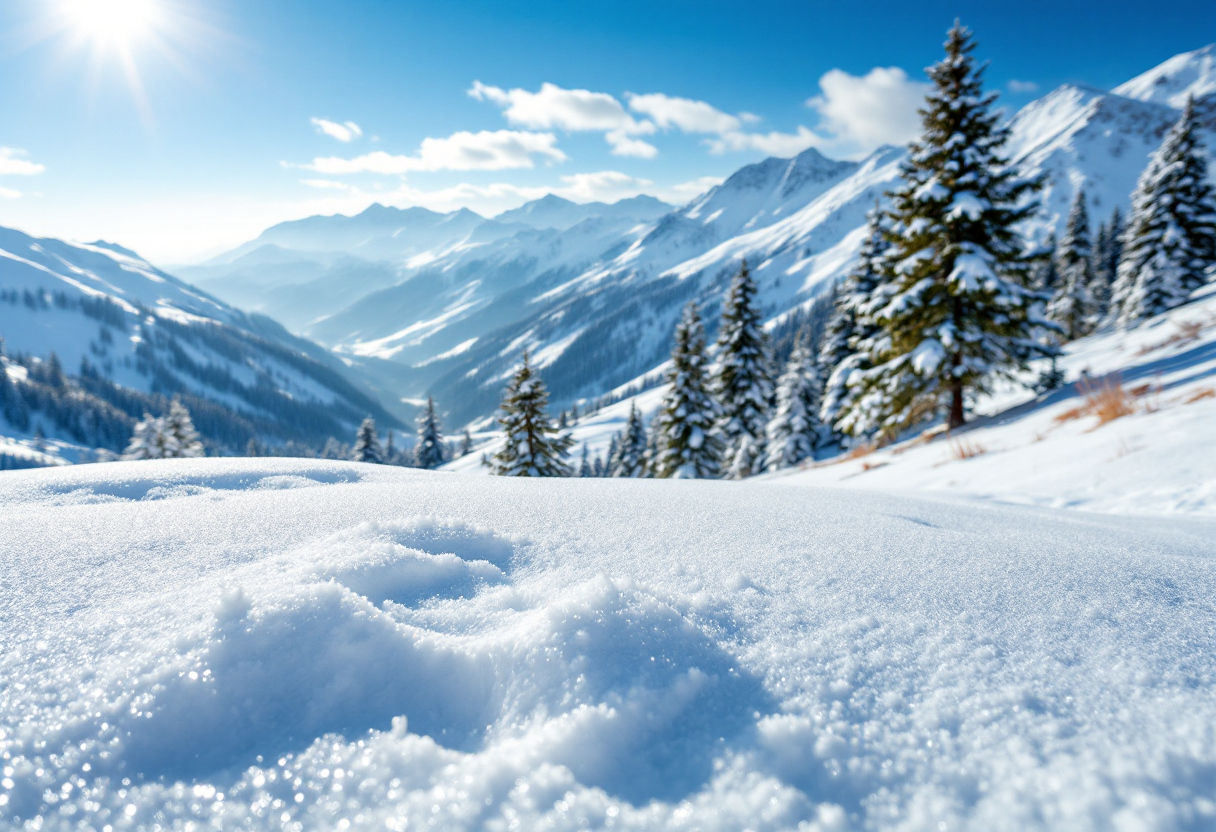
x=864 y=112
x=327 y=185
x=684 y=113
x=346 y=132
x=485 y=150
x=678 y=194
x=625 y=145
x=605 y=185
x=774 y=144
x=9 y=193
x=12 y=163
x=554 y=107
x=1017 y=86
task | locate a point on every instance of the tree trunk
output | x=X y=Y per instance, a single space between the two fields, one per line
x=957 y=417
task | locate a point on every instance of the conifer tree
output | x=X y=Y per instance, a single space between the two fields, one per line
x=742 y=380
x=650 y=459
x=367 y=444
x=390 y=449
x=149 y=440
x=955 y=308
x=848 y=328
x=584 y=465
x=598 y=468
x=613 y=449
x=428 y=452
x=466 y=442
x=687 y=446
x=183 y=437
x=1073 y=305
x=795 y=431
x=631 y=450
x=1107 y=251
x=1169 y=246
x=1043 y=274
x=534 y=447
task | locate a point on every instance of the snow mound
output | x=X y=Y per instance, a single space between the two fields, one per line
x=401 y=649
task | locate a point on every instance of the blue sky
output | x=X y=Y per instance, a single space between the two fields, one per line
x=242 y=111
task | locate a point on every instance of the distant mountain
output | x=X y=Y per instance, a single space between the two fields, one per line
x=554 y=212
x=125 y=327
x=595 y=298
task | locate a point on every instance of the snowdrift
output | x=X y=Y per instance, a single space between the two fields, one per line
x=277 y=644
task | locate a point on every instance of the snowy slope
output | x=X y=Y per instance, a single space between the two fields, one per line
x=247 y=644
x=1159 y=459
x=1191 y=74
x=101 y=308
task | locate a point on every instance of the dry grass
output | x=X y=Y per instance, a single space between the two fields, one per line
x=1107 y=400
x=860 y=451
x=961 y=449
x=1198 y=395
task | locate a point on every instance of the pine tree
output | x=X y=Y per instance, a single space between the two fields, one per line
x=654 y=440
x=1073 y=305
x=598 y=469
x=390 y=449
x=1044 y=275
x=183 y=438
x=839 y=355
x=466 y=443
x=954 y=307
x=1107 y=252
x=630 y=458
x=533 y=446
x=367 y=444
x=614 y=445
x=686 y=444
x=428 y=452
x=149 y=440
x=584 y=465
x=1169 y=246
x=742 y=381
x=795 y=431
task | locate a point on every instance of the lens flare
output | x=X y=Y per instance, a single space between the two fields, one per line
x=117 y=24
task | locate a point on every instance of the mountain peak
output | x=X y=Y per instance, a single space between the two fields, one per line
x=1173 y=81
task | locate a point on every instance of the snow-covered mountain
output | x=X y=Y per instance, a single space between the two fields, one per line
x=123 y=325
x=595 y=299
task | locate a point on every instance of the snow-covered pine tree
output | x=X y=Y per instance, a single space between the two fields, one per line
x=847 y=328
x=149 y=440
x=1072 y=305
x=1043 y=274
x=466 y=443
x=183 y=438
x=584 y=465
x=428 y=452
x=1107 y=252
x=1169 y=245
x=630 y=459
x=795 y=431
x=654 y=439
x=534 y=447
x=687 y=446
x=742 y=379
x=390 y=450
x=614 y=445
x=367 y=444
x=955 y=308
x=597 y=467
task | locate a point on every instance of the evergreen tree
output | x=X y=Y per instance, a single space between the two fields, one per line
x=954 y=307
x=848 y=328
x=562 y=423
x=390 y=449
x=1170 y=242
x=1107 y=251
x=795 y=430
x=1073 y=305
x=367 y=444
x=654 y=439
x=598 y=469
x=584 y=465
x=533 y=446
x=630 y=458
x=149 y=440
x=466 y=443
x=686 y=444
x=742 y=381
x=614 y=445
x=1044 y=275
x=428 y=452
x=182 y=437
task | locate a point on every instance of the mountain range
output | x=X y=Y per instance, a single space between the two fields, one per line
x=415 y=302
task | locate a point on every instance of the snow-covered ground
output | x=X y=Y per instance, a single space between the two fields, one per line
x=288 y=644
x=1158 y=459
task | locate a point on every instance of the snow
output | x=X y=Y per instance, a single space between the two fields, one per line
x=1158 y=460
x=265 y=643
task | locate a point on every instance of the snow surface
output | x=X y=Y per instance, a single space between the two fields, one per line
x=286 y=644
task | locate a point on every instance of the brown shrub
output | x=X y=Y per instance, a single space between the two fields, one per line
x=961 y=449
x=1205 y=393
x=1107 y=400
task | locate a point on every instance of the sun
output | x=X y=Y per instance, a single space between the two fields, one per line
x=115 y=24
